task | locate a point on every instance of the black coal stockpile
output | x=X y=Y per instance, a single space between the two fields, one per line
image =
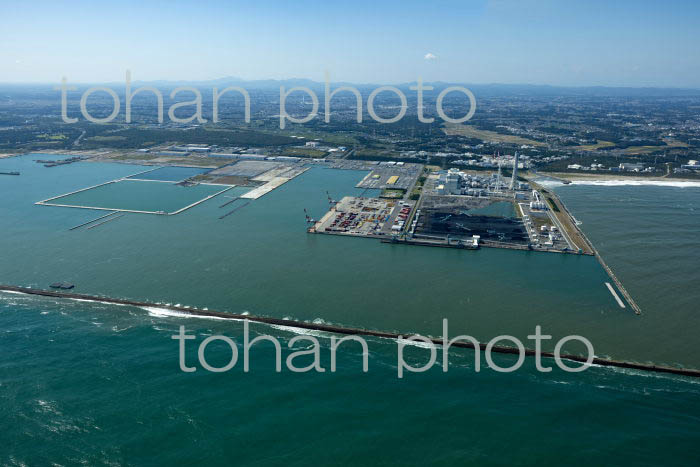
x=488 y=227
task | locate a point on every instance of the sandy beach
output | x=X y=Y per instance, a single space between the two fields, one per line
x=616 y=177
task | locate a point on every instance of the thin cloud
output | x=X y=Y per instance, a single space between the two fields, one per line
x=430 y=56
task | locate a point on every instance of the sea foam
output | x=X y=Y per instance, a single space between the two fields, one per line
x=164 y=312
x=677 y=184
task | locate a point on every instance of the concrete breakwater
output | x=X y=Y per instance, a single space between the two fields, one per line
x=602 y=262
x=346 y=330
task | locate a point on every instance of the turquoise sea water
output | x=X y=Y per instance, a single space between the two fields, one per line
x=98 y=384
x=261 y=260
x=172 y=174
x=137 y=195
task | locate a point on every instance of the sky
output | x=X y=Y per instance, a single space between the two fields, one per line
x=565 y=43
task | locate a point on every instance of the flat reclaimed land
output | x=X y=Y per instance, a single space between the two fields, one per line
x=566 y=222
x=365 y=217
x=273 y=179
x=487 y=135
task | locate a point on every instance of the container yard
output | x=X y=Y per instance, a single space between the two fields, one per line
x=397 y=175
x=364 y=217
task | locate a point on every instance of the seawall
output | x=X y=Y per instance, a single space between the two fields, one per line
x=348 y=330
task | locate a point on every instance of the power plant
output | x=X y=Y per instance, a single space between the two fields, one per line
x=514 y=179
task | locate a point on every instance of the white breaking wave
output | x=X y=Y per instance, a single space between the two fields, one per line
x=300 y=331
x=645 y=374
x=164 y=312
x=677 y=184
x=549 y=183
x=421 y=344
x=96 y=301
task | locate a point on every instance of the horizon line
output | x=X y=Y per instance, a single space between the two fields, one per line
x=235 y=79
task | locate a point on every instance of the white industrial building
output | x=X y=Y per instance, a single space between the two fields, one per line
x=631 y=166
x=537 y=203
x=691 y=165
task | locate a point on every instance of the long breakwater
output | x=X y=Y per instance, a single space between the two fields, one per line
x=347 y=330
x=600 y=259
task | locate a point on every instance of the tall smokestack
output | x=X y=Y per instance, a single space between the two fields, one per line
x=514 y=180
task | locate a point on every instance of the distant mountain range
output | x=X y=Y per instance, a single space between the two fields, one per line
x=494 y=89
x=491 y=88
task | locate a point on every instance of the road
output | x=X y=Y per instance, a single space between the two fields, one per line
x=77 y=141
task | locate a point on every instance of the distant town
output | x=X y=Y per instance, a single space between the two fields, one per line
x=652 y=133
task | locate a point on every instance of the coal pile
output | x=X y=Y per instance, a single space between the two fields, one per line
x=459 y=224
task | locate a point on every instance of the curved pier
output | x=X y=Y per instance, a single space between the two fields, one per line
x=347 y=330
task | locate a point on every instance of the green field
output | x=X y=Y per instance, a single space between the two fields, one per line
x=486 y=135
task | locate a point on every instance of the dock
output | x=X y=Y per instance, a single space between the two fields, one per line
x=465 y=245
x=234 y=210
x=600 y=259
x=614 y=294
x=262 y=190
x=97 y=208
x=199 y=202
x=618 y=284
x=93 y=220
x=236 y=198
x=273 y=180
x=105 y=221
x=51 y=201
x=689 y=372
x=48 y=201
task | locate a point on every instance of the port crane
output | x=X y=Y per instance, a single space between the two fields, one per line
x=309 y=220
x=331 y=201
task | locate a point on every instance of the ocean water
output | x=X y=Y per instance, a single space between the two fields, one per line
x=650 y=237
x=138 y=195
x=99 y=384
x=171 y=174
x=261 y=260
